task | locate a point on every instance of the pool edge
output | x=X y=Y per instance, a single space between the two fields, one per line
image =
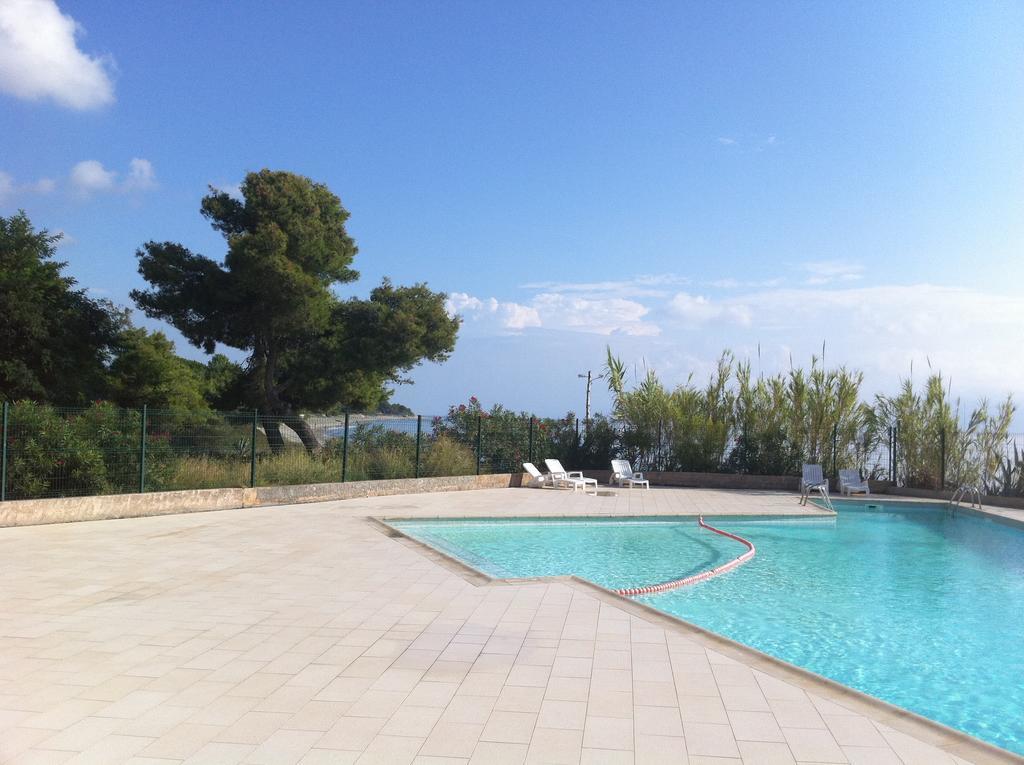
x=950 y=740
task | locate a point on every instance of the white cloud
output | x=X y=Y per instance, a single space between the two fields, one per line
x=644 y=285
x=91 y=177
x=828 y=271
x=732 y=284
x=140 y=175
x=882 y=330
x=460 y=302
x=9 y=189
x=39 y=57
x=697 y=309
x=551 y=310
x=602 y=316
x=507 y=315
x=726 y=141
x=42 y=186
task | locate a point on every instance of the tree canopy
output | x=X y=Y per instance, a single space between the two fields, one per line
x=55 y=341
x=147 y=371
x=287 y=246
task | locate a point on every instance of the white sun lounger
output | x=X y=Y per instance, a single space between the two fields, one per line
x=623 y=475
x=813 y=479
x=569 y=480
x=537 y=479
x=850 y=482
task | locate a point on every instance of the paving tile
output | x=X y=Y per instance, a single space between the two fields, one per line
x=81 y=735
x=810 y=745
x=377 y=704
x=555 y=747
x=566 y=715
x=494 y=753
x=709 y=739
x=608 y=733
x=412 y=721
x=568 y=688
x=310 y=637
x=529 y=675
x=509 y=727
x=114 y=748
x=432 y=694
x=219 y=753
x=452 y=740
x=390 y=750
x=852 y=730
x=519 y=699
x=659 y=750
x=351 y=733
x=330 y=757
x=657 y=721
x=284 y=746
x=611 y=704
x=765 y=753
x=606 y=757
x=755 y=726
x=181 y=742
x=703 y=709
x=796 y=713
x=871 y=755
x=253 y=727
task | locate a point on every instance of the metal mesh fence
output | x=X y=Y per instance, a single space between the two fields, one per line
x=60 y=451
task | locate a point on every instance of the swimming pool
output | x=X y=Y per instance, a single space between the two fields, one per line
x=904 y=601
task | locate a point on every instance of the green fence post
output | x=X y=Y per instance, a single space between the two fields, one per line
x=657 y=450
x=479 y=420
x=896 y=454
x=942 y=457
x=890 y=454
x=252 y=449
x=529 y=450
x=3 y=455
x=142 y=452
x=344 y=450
x=419 y=434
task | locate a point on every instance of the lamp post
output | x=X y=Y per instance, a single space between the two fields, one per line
x=589 y=377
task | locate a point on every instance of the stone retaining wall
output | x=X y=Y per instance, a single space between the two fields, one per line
x=710 y=480
x=33 y=512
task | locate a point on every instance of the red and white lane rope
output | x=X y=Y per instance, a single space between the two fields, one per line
x=703 y=575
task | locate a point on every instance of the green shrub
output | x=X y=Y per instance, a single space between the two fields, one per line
x=296 y=466
x=444 y=456
x=204 y=473
x=49 y=457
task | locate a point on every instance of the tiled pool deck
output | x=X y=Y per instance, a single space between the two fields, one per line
x=303 y=634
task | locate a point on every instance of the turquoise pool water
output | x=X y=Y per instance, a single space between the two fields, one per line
x=904 y=601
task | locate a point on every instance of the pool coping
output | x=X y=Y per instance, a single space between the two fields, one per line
x=950 y=740
x=985 y=512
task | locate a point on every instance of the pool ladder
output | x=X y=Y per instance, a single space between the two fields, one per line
x=966 y=492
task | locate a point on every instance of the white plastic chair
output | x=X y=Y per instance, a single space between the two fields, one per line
x=622 y=474
x=537 y=479
x=569 y=479
x=850 y=482
x=813 y=479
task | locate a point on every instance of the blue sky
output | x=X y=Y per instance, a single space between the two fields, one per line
x=667 y=178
